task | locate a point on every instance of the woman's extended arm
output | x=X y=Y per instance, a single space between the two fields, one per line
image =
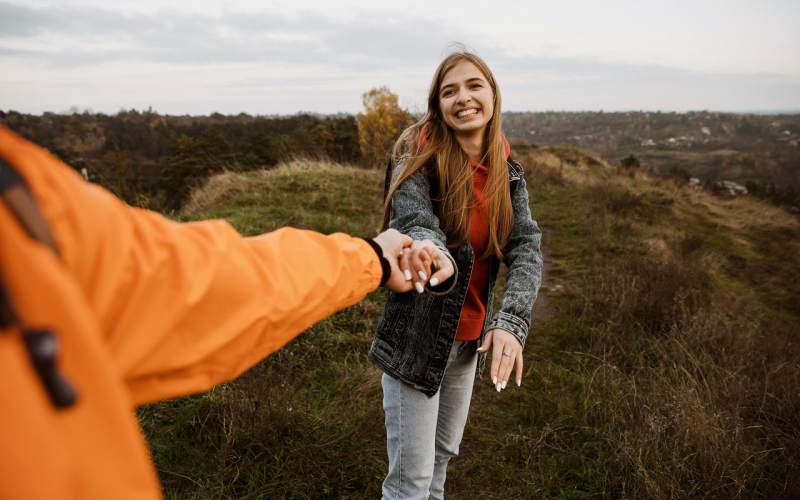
x=523 y=257
x=509 y=328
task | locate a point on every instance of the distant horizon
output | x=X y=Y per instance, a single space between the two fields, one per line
x=76 y=110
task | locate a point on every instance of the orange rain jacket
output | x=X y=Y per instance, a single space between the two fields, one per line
x=144 y=309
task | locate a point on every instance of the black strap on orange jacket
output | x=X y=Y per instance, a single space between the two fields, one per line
x=41 y=344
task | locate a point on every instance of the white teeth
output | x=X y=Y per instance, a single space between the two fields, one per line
x=467 y=112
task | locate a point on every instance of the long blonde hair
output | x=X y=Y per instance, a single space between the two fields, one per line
x=453 y=168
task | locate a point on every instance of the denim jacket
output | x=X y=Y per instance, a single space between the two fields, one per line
x=416 y=331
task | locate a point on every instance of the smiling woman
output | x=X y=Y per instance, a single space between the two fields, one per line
x=455 y=187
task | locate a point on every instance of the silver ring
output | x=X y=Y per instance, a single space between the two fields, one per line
x=507 y=354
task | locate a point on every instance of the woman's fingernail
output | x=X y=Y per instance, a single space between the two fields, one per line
x=434 y=281
x=498 y=387
x=504 y=384
x=494 y=380
x=422 y=276
x=519 y=383
x=418 y=287
x=407 y=274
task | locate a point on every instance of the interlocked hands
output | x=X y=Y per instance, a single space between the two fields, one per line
x=413 y=263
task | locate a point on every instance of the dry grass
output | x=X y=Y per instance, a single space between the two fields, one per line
x=219 y=190
x=541 y=168
x=702 y=408
x=231 y=188
x=697 y=378
x=688 y=376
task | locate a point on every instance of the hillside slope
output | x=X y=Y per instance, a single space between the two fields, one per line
x=669 y=368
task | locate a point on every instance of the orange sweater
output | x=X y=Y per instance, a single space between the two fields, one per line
x=144 y=309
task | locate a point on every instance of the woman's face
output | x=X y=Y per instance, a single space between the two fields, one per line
x=466 y=100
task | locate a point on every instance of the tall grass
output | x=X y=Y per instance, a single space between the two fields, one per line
x=692 y=385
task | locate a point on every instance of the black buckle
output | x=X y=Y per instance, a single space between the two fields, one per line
x=42 y=345
x=43 y=350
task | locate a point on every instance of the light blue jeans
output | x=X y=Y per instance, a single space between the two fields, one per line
x=422 y=434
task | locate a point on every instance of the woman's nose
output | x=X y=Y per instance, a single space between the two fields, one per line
x=463 y=96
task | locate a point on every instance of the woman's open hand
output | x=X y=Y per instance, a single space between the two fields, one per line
x=506 y=353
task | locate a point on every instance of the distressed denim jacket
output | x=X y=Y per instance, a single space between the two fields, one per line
x=416 y=331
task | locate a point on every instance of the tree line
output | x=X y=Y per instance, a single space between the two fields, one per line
x=154 y=161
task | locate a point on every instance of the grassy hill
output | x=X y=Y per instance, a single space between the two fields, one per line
x=669 y=368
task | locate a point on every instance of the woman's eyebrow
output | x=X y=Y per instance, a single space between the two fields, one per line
x=469 y=80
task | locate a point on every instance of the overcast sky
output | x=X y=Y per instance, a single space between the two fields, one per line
x=281 y=57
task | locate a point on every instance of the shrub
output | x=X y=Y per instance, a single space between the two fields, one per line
x=630 y=162
x=679 y=174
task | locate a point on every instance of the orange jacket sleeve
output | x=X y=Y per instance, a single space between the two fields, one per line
x=183 y=307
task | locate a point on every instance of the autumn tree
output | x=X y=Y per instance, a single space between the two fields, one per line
x=380 y=124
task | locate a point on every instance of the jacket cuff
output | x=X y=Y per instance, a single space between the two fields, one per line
x=511 y=324
x=386 y=268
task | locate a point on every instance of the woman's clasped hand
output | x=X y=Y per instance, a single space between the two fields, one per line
x=422 y=262
x=413 y=262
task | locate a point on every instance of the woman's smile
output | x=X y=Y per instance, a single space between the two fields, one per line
x=467 y=113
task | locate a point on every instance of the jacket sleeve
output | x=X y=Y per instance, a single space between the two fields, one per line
x=523 y=257
x=412 y=214
x=183 y=307
x=412 y=209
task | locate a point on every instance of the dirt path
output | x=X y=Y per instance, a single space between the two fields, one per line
x=542 y=308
